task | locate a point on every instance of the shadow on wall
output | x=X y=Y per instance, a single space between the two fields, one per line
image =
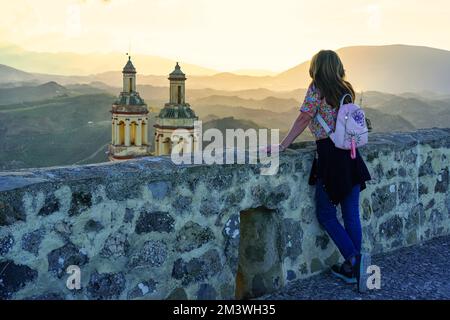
x=260 y=253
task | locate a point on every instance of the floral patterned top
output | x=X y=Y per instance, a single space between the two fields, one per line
x=313 y=104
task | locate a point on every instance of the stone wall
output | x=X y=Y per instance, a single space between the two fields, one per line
x=153 y=230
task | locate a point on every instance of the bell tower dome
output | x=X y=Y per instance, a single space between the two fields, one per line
x=129 y=136
x=129 y=77
x=176 y=114
x=177 y=86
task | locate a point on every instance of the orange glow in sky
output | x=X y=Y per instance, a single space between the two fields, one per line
x=224 y=35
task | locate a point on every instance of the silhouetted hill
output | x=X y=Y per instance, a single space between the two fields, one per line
x=383 y=122
x=422 y=114
x=31 y=93
x=11 y=75
x=394 y=68
x=229 y=123
x=269 y=103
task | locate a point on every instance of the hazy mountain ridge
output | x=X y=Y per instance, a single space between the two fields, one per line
x=50 y=120
x=269 y=103
x=69 y=63
x=32 y=93
x=71 y=129
x=394 y=68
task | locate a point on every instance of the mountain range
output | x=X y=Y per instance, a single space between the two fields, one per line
x=393 y=68
x=69 y=63
x=49 y=119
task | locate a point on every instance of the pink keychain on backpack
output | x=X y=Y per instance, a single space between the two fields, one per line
x=353 y=149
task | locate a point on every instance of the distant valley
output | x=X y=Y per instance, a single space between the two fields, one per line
x=51 y=119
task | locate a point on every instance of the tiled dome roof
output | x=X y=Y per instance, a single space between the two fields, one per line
x=129 y=68
x=177 y=112
x=132 y=99
x=177 y=74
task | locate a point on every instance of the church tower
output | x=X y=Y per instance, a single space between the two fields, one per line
x=176 y=114
x=129 y=120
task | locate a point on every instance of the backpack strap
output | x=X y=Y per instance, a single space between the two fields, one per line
x=343 y=98
x=323 y=124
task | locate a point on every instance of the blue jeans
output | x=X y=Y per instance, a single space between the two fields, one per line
x=348 y=239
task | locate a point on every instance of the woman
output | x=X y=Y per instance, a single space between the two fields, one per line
x=338 y=178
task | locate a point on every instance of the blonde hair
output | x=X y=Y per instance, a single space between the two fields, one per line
x=328 y=75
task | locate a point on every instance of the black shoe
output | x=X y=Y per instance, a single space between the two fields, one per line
x=361 y=265
x=345 y=272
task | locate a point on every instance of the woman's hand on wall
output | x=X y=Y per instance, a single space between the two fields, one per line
x=276 y=148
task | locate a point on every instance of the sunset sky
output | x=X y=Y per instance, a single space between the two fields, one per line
x=224 y=35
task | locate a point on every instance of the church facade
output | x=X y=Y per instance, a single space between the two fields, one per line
x=129 y=136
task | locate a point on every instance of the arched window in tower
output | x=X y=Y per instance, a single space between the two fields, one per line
x=144 y=133
x=130 y=89
x=179 y=94
x=167 y=146
x=133 y=133
x=121 y=133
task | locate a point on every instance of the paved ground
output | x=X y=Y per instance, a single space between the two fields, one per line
x=418 y=272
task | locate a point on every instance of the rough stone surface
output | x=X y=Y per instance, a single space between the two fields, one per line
x=6 y=243
x=231 y=234
x=442 y=182
x=60 y=258
x=416 y=217
x=50 y=206
x=197 y=269
x=209 y=208
x=366 y=210
x=149 y=220
x=405 y=191
x=129 y=215
x=181 y=204
x=426 y=168
x=14 y=277
x=106 y=285
x=81 y=201
x=93 y=226
x=159 y=189
x=143 y=289
x=322 y=241
x=116 y=245
x=31 y=241
x=192 y=236
x=316 y=265
x=11 y=213
x=293 y=234
x=63 y=228
x=392 y=227
x=152 y=254
x=383 y=200
x=154 y=221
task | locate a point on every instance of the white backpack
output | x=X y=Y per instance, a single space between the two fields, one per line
x=351 y=129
